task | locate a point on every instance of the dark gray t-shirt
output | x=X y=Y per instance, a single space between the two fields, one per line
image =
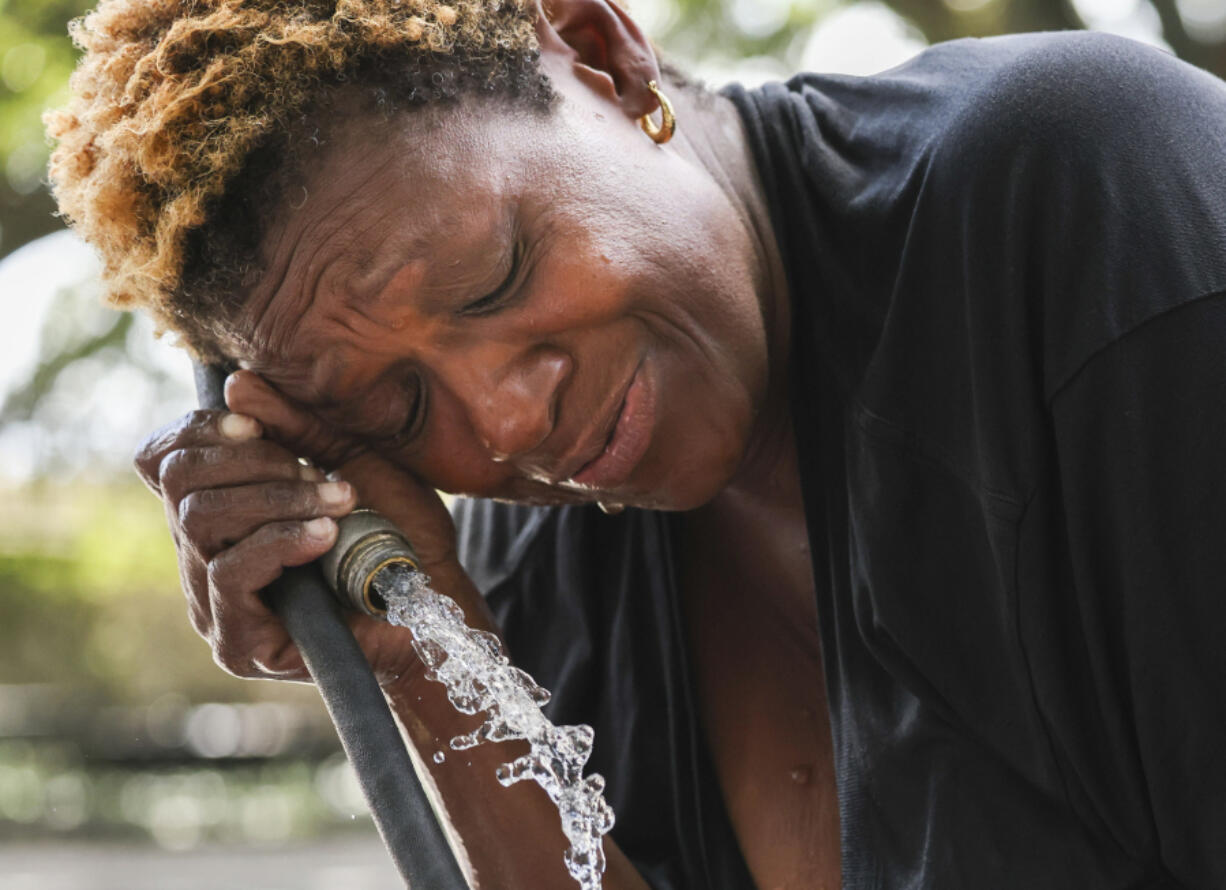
x=1007 y=262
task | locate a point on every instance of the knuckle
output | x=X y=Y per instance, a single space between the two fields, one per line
x=219 y=571
x=286 y=533
x=285 y=495
x=271 y=658
x=190 y=512
x=146 y=460
x=151 y=449
x=172 y=469
x=234 y=663
x=229 y=575
x=142 y=459
x=201 y=420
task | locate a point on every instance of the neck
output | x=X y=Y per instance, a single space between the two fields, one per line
x=713 y=135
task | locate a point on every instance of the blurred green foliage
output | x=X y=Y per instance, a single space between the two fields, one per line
x=89 y=596
x=36 y=58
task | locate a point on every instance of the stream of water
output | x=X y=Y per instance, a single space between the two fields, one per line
x=476 y=672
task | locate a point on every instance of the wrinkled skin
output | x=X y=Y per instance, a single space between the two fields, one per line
x=460 y=300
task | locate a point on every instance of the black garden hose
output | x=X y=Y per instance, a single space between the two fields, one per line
x=358 y=709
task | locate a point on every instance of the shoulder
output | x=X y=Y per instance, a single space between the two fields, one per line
x=1073 y=76
x=1098 y=165
x=1080 y=94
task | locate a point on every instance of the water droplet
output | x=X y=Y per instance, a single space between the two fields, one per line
x=439 y=756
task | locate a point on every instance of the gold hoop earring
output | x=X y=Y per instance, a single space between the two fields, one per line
x=668 y=123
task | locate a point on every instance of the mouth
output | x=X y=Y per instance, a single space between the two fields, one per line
x=626 y=442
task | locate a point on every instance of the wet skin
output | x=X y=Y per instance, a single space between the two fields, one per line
x=485 y=300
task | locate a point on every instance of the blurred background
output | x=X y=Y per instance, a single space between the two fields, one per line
x=127 y=759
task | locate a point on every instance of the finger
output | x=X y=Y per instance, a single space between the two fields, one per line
x=247 y=639
x=185 y=470
x=213 y=519
x=248 y=645
x=298 y=429
x=193 y=429
x=195 y=578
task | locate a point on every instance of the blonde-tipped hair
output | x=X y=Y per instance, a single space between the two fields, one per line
x=173 y=97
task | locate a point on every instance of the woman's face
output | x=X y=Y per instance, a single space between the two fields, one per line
x=518 y=305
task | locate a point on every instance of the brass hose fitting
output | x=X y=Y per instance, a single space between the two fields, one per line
x=366 y=544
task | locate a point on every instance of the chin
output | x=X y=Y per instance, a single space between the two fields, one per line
x=691 y=481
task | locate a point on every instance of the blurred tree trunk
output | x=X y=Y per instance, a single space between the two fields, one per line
x=25 y=217
x=939 y=22
x=1210 y=56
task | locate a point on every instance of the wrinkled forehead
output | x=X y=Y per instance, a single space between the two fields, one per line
x=379 y=195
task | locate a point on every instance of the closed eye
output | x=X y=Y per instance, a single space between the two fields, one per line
x=413 y=424
x=499 y=297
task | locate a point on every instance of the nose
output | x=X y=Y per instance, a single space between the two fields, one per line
x=514 y=408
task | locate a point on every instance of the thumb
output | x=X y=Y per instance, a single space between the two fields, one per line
x=286 y=422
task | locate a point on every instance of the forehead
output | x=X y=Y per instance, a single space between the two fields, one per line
x=383 y=193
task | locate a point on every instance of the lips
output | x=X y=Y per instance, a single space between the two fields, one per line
x=610 y=448
x=594 y=443
x=629 y=440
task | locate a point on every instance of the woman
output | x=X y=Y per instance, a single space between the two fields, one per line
x=933 y=357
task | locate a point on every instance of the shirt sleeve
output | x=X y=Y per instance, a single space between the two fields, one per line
x=1140 y=441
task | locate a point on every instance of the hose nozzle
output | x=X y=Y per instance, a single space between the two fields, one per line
x=366 y=544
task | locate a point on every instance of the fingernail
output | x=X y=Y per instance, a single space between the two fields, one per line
x=334 y=494
x=319 y=528
x=311 y=474
x=239 y=426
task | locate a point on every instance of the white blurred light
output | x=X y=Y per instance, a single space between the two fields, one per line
x=21 y=798
x=1133 y=19
x=267 y=729
x=98 y=411
x=25 y=165
x=338 y=786
x=1104 y=12
x=30 y=277
x=760 y=18
x=655 y=17
x=749 y=72
x=266 y=815
x=862 y=39
x=1205 y=20
x=214 y=730
x=175 y=822
x=67 y=802
x=23 y=66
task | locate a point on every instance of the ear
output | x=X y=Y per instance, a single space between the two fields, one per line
x=609 y=52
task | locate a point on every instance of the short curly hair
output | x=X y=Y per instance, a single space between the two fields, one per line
x=188 y=118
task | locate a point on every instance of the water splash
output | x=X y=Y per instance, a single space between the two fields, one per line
x=479 y=678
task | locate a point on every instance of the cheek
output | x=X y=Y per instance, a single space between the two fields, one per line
x=701 y=435
x=449 y=456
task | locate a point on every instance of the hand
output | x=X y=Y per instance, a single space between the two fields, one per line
x=241 y=508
